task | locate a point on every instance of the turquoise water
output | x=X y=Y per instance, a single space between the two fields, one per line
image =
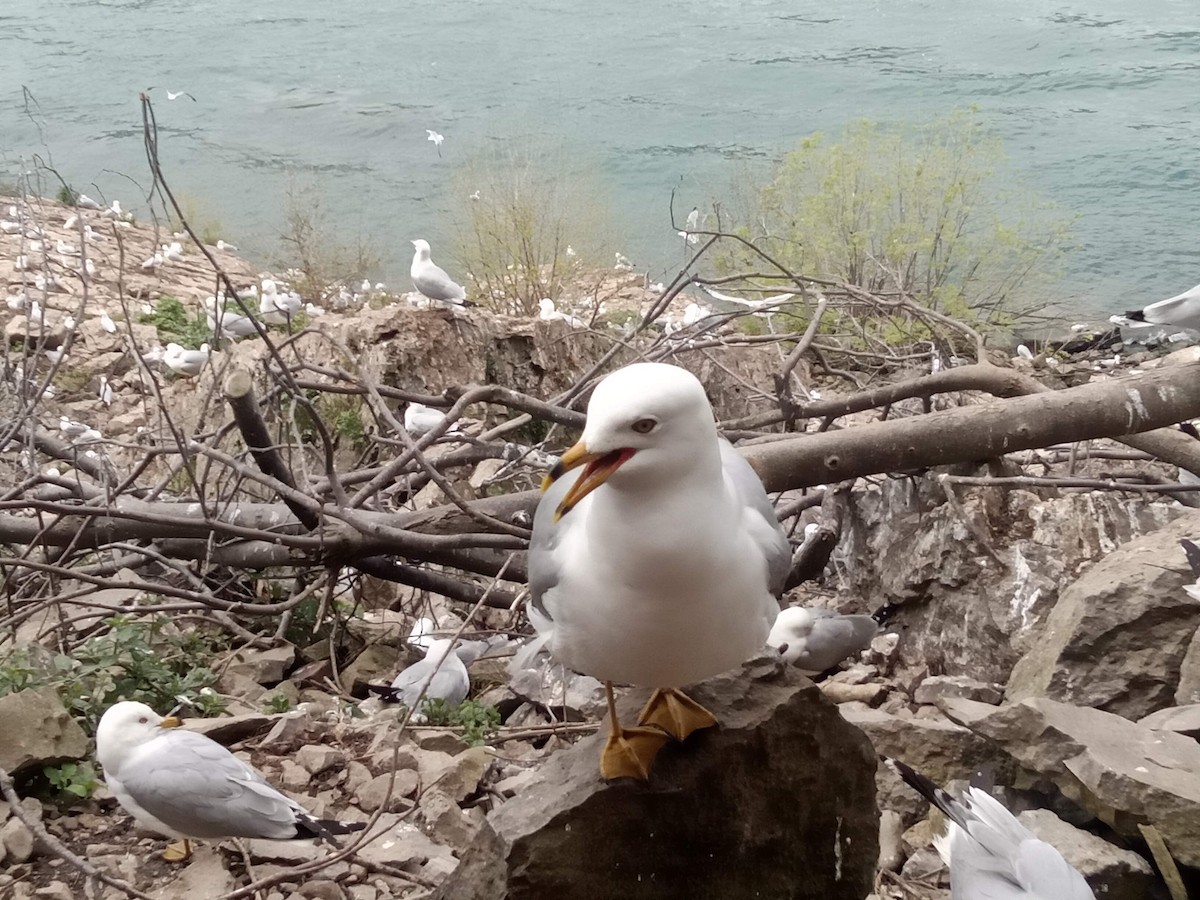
x=1098 y=102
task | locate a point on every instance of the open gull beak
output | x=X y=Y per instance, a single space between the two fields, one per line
x=599 y=467
x=170 y=722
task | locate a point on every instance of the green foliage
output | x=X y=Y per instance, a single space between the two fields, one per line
x=137 y=658
x=277 y=703
x=171 y=319
x=67 y=196
x=478 y=721
x=931 y=211
x=72 y=781
x=516 y=213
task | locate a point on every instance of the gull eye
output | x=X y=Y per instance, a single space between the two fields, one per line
x=143 y=719
x=644 y=426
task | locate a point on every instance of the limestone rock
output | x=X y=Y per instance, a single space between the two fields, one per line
x=903 y=542
x=1118 y=771
x=1117 y=637
x=935 y=687
x=231 y=729
x=1188 y=689
x=17 y=839
x=318 y=758
x=705 y=825
x=1183 y=720
x=265 y=667
x=401 y=844
x=204 y=876
x=38 y=731
x=1113 y=873
x=932 y=745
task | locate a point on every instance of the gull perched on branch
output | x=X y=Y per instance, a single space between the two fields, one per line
x=431 y=280
x=185 y=785
x=656 y=558
x=1180 y=311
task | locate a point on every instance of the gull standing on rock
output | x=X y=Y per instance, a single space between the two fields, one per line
x=185 y=785
x=658 y=560
x=431 y=280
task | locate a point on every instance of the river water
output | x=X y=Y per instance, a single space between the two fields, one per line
x=1098 y=102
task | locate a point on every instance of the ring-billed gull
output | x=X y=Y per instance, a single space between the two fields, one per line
x=991 y=854
x=186 y=362
x=814 y=639
x=185 y=785
x=1182 y=311
x=430 y=279
x=441 y=675
x=658 y=560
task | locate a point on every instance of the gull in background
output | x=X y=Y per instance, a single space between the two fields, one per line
x=431 y=280
x=814 y=640
x=441 y=675
x=436 y=138
x=186 y=362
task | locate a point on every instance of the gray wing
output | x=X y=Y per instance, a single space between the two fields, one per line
x=741 y=478
x=994 y=856
x=435 y=284
x=450 y=683
x=834 y=637
x=543 y=542
x=1182 y=310
x=197 y=787
x=469 y=651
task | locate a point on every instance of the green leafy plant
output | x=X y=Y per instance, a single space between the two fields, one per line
x=931 y=211
x=72 y=780
x=137 y=658
x=478 y=721
x=67 y=196
x=171 y=319
x=277 y=703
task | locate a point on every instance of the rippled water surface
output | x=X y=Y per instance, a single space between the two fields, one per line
x=1098 y=102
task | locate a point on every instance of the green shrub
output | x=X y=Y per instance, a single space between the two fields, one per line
x=137 y=658
x=932 y=211
x=478 y=721
x=72 y=781
x=171 y=319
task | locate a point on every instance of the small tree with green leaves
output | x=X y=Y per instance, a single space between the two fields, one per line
x=931 y=211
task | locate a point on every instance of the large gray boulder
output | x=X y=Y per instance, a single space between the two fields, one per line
x=1117 y=637
x=778 y=802
x=1120 y=772
x=967 y=614
x=37 y=730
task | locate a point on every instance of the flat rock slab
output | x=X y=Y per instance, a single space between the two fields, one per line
x=1121 y=772
x=778 y=802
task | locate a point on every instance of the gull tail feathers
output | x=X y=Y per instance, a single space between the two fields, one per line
x=386 y=691
x=308 y=826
